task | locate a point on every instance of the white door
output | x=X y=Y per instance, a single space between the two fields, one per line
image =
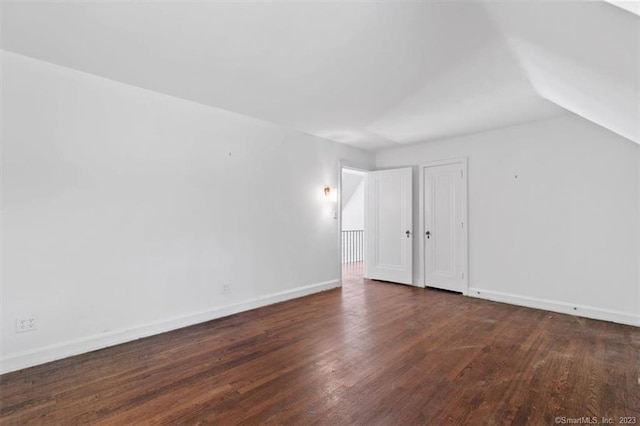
x=389 y=226
x=444 y=187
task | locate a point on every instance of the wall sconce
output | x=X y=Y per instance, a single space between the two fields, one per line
x=331 y=194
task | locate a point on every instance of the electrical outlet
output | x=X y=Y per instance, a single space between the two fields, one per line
x=27 y=323
x=226 y=288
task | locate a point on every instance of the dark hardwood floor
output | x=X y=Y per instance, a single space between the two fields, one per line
x=370 y=353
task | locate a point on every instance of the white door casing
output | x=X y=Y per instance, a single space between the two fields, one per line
x=444 y=227
x=389 y=226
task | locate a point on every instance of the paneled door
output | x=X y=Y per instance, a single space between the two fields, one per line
x=389 y=226
x=444 y=227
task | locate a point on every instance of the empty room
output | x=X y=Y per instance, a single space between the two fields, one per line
x=320 y=212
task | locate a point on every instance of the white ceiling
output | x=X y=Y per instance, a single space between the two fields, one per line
x=369 y=74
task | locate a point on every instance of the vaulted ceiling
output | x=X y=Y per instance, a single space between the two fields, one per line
x=369 y=74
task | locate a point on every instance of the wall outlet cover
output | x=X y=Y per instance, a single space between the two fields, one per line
x=26 y=323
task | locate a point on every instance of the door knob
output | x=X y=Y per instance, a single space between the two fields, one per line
x=408 y=233
x=428 y=234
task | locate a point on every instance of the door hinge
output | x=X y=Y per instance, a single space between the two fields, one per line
x=462 y=225
x=461 y=174
x=463 y=275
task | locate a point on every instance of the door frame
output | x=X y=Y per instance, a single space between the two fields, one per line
x=464 y=162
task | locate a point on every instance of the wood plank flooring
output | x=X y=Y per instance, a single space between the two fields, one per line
x=370 y=353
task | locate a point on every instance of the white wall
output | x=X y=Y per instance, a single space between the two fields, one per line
x=353 y=211
x=564 y=234
x=125 y=211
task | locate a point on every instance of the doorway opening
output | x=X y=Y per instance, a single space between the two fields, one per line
x=353 y=249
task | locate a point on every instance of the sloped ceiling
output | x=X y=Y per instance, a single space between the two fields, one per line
x=373 y=75
x=630 y=5
x=350 y=182
x=583 y=57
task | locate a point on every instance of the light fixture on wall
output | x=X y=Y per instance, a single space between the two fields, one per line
x=331 y=194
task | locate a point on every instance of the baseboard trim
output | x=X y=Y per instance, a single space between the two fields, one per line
x=20 y=360
x=555 y=306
